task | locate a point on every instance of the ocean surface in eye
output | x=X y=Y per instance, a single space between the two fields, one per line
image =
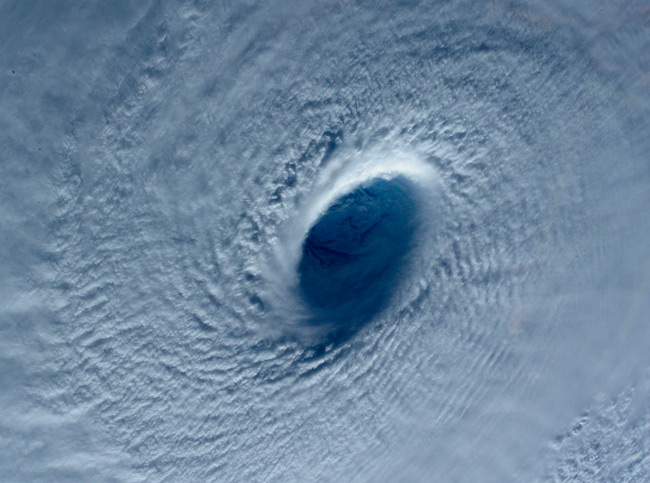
x=324 y=241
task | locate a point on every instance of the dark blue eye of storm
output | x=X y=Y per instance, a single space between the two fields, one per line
x=351 y=254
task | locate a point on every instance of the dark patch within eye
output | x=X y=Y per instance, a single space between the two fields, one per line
x=351 y=254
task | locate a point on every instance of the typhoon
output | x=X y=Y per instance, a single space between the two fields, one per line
x=324 y=240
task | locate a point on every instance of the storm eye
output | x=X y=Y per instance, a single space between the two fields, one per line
x=350 y=256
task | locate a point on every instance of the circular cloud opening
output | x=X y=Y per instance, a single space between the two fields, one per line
x=351 y=254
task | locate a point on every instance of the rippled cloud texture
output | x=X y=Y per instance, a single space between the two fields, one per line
x=324 y=241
